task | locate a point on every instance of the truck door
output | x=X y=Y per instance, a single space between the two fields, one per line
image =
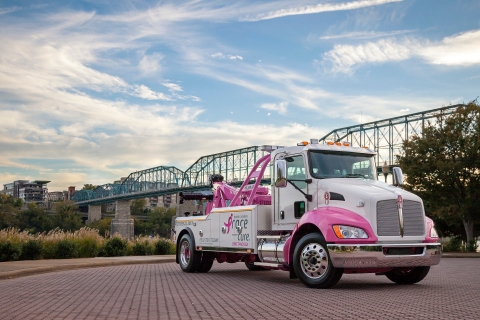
x=290 y=203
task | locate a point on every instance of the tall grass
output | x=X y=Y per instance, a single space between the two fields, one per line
x=86 y=243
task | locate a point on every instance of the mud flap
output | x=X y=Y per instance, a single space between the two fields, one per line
x=293 y=275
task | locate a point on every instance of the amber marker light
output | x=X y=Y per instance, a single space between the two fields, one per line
x=337 y=231
x=338 y=143
x=330 y=143
x=303 y=143
x=346 y=144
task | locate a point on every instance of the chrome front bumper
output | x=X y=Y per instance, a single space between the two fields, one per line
x=376 y=255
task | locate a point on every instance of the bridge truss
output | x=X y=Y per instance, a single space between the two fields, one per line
x=386 y=136
x=233 y=165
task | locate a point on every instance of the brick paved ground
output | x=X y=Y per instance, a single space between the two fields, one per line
x=230 y=291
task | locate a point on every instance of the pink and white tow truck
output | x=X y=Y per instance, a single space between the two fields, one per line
x=325 y=214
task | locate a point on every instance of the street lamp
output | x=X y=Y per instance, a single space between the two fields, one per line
x=385 y=170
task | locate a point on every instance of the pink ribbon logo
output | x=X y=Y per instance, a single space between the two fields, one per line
x=229 y=223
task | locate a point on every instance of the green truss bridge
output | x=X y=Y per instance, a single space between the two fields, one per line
x=383 y=136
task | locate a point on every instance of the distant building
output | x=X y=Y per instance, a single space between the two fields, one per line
x=29 y=191
x=58 y=196
x=167 y=201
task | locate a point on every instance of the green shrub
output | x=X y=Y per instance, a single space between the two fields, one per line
x=66 y=249
x=32 y=250
x=454 y=245
x=472 y=246
x=142 y=249
x=164 y=246
x=115 y=247
x=88 y=248
x=9 y=251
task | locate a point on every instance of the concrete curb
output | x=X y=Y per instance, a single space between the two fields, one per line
x=461 y=255
x=26 y=268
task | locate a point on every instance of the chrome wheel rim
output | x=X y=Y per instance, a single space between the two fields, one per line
x=314 y=261
x=185 y=253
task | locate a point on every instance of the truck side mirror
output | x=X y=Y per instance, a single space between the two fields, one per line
x=397 y=177
x=280 y=173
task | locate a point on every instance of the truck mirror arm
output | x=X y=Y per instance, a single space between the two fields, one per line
x=309 y=197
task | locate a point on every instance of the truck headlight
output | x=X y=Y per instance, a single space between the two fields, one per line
x=433 y=233
x=347 y=232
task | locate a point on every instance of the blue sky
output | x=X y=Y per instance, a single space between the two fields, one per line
x=93 y=90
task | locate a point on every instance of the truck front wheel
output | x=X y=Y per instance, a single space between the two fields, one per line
x=312 y=263
x=407 y=275
x=188 y=258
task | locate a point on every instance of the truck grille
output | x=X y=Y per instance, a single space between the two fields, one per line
x=387 y=218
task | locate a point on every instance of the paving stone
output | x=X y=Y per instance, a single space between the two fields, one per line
x=230 y=291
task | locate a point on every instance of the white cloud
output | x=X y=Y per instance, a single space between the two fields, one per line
x=344 y=58
x=172 y=86
x=10 y=9
x=151 y=64
x=281 y=107
x=220 y=55
x=458 y=50
x=145 y=92
x=324 y=7
x=365 y=35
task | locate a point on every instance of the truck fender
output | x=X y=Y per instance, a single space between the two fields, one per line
x=322 y=220
x=184 y=231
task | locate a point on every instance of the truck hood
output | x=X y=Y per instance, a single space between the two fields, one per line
x=363 y=189
x=361 y=196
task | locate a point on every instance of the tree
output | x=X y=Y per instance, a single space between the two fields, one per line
x=137 y=206
x=89 y=186
x=66 y=216
x=8 y=212
x=443 y=167
x=34 y=219
x=161 y=220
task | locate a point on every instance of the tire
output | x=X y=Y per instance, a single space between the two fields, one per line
x=188 y=257
x=250 y=266
x=312 y=264
x=407 y=276
x=207 y=262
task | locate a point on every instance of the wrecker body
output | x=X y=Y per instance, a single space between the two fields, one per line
x=324 y=214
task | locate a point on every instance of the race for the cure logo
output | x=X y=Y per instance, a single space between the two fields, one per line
x=229 y=223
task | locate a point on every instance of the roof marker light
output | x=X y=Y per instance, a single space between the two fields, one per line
x=338 y=143
x=303 y=143
x=346 y=144
x=330 y=143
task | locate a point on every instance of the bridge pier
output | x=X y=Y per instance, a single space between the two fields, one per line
x=94 y=213
x=122 y=223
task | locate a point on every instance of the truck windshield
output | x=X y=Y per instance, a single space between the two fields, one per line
x=324 y=165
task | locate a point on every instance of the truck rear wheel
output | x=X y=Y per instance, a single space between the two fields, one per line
x=207 y=262
x=407 y=275
x=188 y=258
x=312 y=263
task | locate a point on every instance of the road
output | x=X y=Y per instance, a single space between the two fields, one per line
x=230 y=291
